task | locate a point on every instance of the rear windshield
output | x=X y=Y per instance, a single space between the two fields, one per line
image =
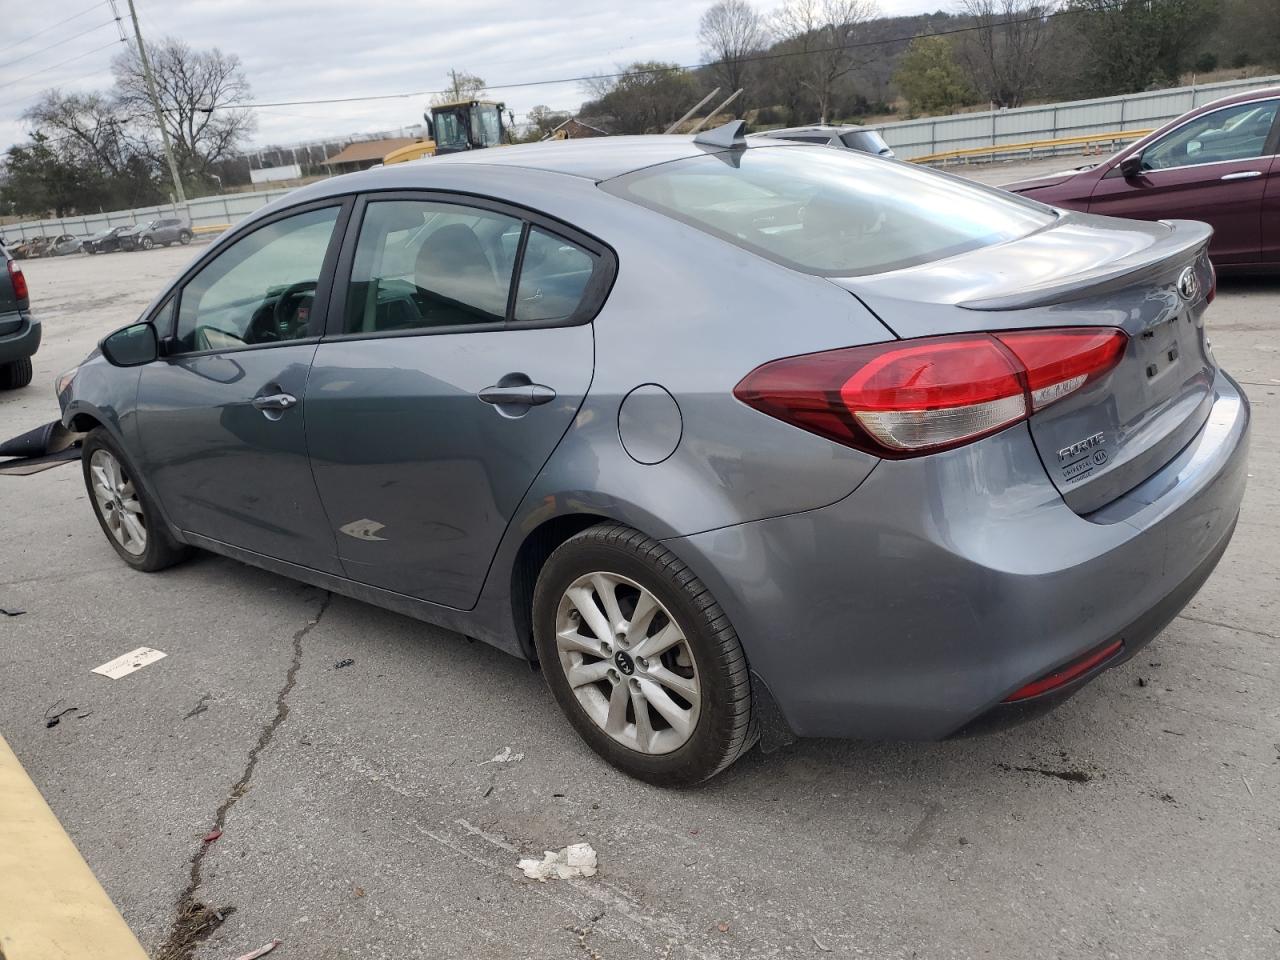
x=830 y=212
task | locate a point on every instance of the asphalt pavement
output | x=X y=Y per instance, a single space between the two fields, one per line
x=360 y=820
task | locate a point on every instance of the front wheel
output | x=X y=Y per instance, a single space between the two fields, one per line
x=126 y=514
x=147 y=243
x=641 y=658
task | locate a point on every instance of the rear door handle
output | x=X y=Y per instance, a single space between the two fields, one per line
x=521 y=394
x=1242 y=175
x=274 y=401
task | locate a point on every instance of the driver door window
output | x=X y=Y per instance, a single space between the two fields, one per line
x=259 y=290
x=1238 y=132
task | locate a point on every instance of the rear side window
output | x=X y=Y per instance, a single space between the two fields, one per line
x=831 y=212
x=554 y=276
x=422 y=264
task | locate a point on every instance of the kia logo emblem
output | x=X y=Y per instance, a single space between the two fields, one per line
x=1188 y=284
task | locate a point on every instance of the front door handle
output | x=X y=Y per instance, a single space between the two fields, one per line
x=1242 y=175
x=274 y=402
x=520 y=394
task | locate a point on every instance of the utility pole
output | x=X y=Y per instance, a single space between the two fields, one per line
x=155 y=102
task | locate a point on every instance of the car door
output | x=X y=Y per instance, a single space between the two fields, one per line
x=1213 y=168
x=222 y=416
x=443 y=387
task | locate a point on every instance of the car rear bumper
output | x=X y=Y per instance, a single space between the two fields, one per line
x=915 y=606
x=19 y=336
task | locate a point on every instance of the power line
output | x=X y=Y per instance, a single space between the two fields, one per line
x=81 y=56
x=74 y=16
x=755 y=58
x=28 y=56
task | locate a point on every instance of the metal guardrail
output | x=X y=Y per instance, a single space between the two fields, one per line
x=1031 y=146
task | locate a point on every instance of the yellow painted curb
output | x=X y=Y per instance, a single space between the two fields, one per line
x=51 y=905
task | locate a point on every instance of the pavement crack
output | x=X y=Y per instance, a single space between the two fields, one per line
x=195 y=921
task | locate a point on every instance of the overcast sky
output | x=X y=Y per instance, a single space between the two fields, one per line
x=308 y=49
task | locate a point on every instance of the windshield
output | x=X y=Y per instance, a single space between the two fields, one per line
x=830 y=212
x=486 y=126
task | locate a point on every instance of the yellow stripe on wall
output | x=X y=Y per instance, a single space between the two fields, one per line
x=51 y=905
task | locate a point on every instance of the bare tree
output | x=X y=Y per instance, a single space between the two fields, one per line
x=197 y=91
x=462 y=86
x=730 y=32
x=89 y=125
x=821 y=35
x=1003 y=51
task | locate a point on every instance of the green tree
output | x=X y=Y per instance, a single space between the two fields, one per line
x=1133 y=44
x=647 y=98
x=930 y=78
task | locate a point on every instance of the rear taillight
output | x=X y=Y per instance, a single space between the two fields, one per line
x=909 y=397
x=18 y=280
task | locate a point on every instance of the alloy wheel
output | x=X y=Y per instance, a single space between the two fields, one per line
x=628 y=663
x=118 y=503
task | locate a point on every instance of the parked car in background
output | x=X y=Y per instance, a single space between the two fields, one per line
x=1217 y=163
x=105 y=240
x=156 y=233
x=846 y=136
x=65 y=245
x=19 y=330
x=927 y=459
x=32 y=248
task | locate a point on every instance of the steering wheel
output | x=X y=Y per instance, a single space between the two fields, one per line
x=285 y=314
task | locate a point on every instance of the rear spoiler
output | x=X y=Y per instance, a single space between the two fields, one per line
x=40 y=449
x=1184 y=242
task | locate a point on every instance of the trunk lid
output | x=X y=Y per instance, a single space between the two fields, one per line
x=1149 y=279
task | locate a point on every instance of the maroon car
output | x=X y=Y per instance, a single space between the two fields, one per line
x=1216 y=163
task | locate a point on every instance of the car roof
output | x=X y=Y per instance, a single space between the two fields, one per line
x=593 y=158
x=1261 y=93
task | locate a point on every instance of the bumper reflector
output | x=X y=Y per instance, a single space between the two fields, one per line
x=1065 y=674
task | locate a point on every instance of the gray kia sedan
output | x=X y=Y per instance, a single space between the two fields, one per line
x=738 y=441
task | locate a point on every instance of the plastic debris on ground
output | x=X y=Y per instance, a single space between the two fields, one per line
x=12 y=613
x=262 y=951
x=343 y=663
x=126 y=663
x=504 y=756
x=212 y=835
x=575 y=860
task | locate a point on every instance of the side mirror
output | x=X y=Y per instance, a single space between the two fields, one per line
x=1131 y=165
x=132 y=347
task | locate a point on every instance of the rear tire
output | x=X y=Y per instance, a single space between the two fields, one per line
x=184 y=237
x=127 y=515
x=670 y=713
x=15 y=374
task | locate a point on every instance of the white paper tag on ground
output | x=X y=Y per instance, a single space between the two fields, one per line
x=125 y=664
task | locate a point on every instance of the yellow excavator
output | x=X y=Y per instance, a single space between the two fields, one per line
x=454 y=127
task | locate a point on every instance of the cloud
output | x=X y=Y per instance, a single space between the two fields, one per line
x=308 y=49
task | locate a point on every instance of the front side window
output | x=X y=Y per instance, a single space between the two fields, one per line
x=422 y=264
x=260 y=289
x=831 y=212
x=1233 y=133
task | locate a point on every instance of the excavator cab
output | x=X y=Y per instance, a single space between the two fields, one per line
x=466 y=125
